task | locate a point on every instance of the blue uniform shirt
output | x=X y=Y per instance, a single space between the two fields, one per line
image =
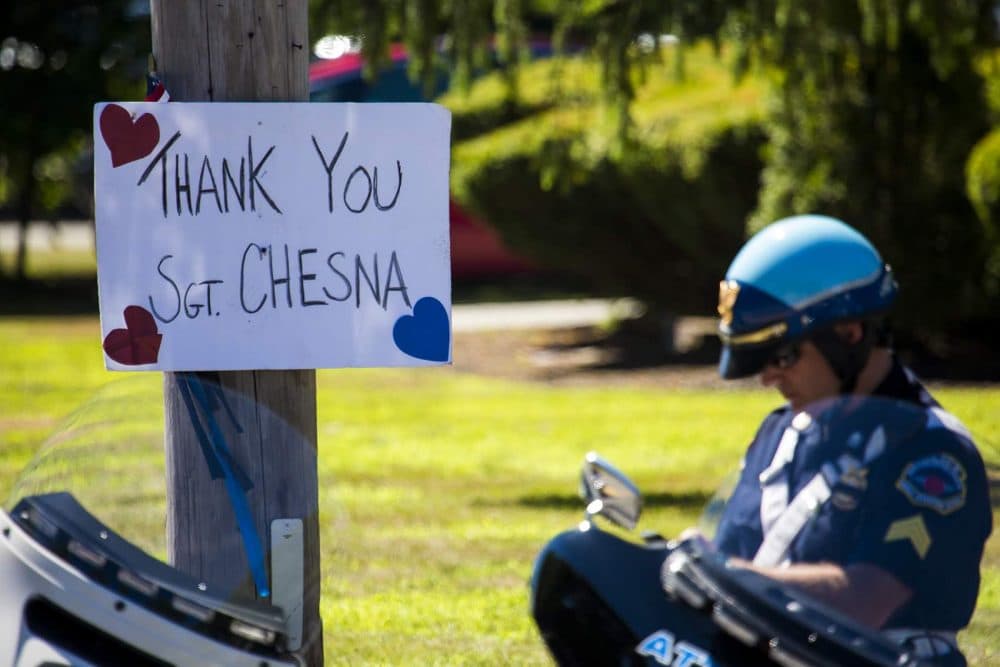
x=920 y=511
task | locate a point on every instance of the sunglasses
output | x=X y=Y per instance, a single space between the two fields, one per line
x=786 y=356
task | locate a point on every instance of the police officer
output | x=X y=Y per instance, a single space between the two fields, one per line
x=886 y=523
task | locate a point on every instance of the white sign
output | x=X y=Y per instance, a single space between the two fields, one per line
x=272 y=235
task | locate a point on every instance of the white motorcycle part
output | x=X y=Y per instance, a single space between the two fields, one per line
x=54 y=611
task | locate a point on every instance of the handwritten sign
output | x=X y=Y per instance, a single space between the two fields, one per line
x=272 y=235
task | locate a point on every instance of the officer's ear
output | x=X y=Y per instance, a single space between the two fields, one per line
x=850 y=332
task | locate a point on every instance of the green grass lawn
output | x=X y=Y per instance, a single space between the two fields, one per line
x=437 y=488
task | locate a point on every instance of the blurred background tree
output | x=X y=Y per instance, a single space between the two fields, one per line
x=642 y=162
x=866 y=110
x=57 y=58
x=875 y=108
x=607 y=165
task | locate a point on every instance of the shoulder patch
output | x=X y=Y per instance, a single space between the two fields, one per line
x=936 y=482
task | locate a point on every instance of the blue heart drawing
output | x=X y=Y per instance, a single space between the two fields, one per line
x=426 y=334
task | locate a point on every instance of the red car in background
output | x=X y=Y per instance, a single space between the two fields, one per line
x=476 y=249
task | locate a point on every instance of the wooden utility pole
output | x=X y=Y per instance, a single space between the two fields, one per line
x=241 y=51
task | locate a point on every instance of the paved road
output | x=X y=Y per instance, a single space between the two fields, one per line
x=541 y=314
x=43 y=236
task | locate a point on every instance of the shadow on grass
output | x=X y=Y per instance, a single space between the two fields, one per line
x=688 y=500
x=694 y=500
x=640 y=344
x=57 y=296
x=633 y=344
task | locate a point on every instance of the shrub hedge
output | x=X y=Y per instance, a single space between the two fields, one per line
x=658 y=217
x=982 y=175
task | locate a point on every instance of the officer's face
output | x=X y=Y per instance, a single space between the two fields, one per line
x=807 y=380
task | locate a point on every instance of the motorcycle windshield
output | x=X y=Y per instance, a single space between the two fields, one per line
x=108 y=454
x=166 y=505
x=849 y=436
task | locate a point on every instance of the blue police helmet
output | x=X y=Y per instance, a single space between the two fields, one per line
x=795 y=277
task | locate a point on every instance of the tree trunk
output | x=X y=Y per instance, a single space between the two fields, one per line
x=24 y=205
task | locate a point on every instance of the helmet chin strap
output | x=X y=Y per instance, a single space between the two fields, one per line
x=846 y=359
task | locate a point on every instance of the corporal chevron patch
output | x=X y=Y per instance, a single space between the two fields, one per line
x=936 y=482
x=913 y=529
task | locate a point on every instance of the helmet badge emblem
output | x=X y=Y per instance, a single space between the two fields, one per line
x=728 y=291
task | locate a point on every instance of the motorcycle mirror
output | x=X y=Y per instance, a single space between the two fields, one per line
x=608 y=492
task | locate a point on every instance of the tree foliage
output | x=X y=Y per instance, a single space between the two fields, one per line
x=983 y=182
x=57 y=59
x=435 y=32
x=875 y=107
x=468 y=35
x=648 y=221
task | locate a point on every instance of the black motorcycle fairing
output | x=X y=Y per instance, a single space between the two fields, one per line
x=771 y=616
x=598 y=599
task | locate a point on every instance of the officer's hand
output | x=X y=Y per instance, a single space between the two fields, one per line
x=695 y=536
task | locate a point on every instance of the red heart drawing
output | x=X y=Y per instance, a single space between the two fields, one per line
x=128 y=140
x=138 y=343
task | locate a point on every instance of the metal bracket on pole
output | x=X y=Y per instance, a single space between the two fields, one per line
x=287 y=579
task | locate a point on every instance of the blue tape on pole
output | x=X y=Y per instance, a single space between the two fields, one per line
x=214 y=467
x=221 y=448
x=213 y=455
x=237 y=497
x=251 y=539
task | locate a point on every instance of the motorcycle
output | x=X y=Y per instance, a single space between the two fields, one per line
x=84 y=591
x=85 y=583
x=613 y=598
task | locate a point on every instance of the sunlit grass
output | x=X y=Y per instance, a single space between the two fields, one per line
x=437 y=488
